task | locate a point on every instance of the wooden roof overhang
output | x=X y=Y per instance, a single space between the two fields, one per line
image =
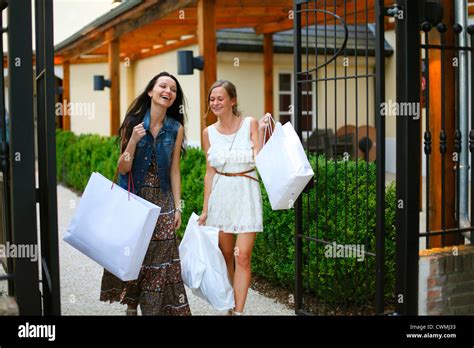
x=152 y=27
x=142 y=28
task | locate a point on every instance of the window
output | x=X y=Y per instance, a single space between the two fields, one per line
x=285 y=95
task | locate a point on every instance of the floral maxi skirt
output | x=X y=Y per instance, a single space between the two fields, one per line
x=159 y=289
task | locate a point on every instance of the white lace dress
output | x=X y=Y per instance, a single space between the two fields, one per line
x=235 y=202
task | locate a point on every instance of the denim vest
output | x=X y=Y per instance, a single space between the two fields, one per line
x=163 y=144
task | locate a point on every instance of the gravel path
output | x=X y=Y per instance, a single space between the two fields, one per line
x=81 y=278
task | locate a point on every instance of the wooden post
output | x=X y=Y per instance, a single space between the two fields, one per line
x=114 y=76
x=207 y=48
x=130 y=69
x=66 y=119
x=435 y=184
x=268 y=72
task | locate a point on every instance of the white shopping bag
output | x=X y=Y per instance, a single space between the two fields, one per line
x=193 y=263
x=203 y=267
x=113 y=227
x=283 y=167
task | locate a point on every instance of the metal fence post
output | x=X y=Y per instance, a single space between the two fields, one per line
x=47 y=156
x=297 y=112
x=22 y=154
x=408 y=159
x=380 y=126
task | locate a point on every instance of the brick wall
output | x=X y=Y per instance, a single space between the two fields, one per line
x=446 y=281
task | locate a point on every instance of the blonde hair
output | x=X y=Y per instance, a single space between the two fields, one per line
x=231 y=91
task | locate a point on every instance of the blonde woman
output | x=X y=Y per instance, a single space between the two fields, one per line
x=232 y=197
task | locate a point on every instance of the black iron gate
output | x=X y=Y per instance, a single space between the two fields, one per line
x=444 y=44
x=344 y=245
x=349 y=204
x=31 y=118
x=46 y=135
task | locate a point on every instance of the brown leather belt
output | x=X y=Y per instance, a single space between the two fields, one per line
x=240 y=174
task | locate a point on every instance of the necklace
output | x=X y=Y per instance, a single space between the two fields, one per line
x=226 y=132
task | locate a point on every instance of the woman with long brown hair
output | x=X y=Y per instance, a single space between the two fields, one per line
x=151 y=145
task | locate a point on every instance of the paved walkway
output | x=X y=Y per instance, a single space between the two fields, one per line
x=81 y=278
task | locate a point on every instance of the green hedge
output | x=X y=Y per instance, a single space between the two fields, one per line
x=335 y=279
x=345 y=209
x=78 y=156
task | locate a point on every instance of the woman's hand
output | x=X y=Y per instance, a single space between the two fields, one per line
x=264 y=121
x=177 y=219
x=137 y=133
x=263 y=134
x=202 y=219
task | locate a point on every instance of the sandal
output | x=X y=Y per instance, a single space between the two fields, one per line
x=233 y=312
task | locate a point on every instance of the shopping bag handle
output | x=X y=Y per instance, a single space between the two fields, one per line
x=130 y=180
x=269 y=129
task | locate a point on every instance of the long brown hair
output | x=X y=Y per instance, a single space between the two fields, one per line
x=138 y=108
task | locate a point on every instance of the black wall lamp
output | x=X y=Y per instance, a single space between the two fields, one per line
x=187 y=63
x=100 y=83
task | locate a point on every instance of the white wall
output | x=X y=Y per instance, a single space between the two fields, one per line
x=390 y=94
x=82 y=92
x=245 y=71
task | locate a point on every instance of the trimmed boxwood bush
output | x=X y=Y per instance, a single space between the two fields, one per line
x=339 y=205
x=193 y=169
x=342 y=199
x=64 y=140
x=78 y=156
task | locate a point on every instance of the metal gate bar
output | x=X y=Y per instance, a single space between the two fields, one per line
x=427 y=27
x=408 y=159
x=47 y=156
x=298 y=204
x=5 y=164
x=380 y=126
x=308 y=238
x=22 y=155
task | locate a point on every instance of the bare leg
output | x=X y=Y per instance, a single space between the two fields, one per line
x=226 y=244
x=243 y=254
